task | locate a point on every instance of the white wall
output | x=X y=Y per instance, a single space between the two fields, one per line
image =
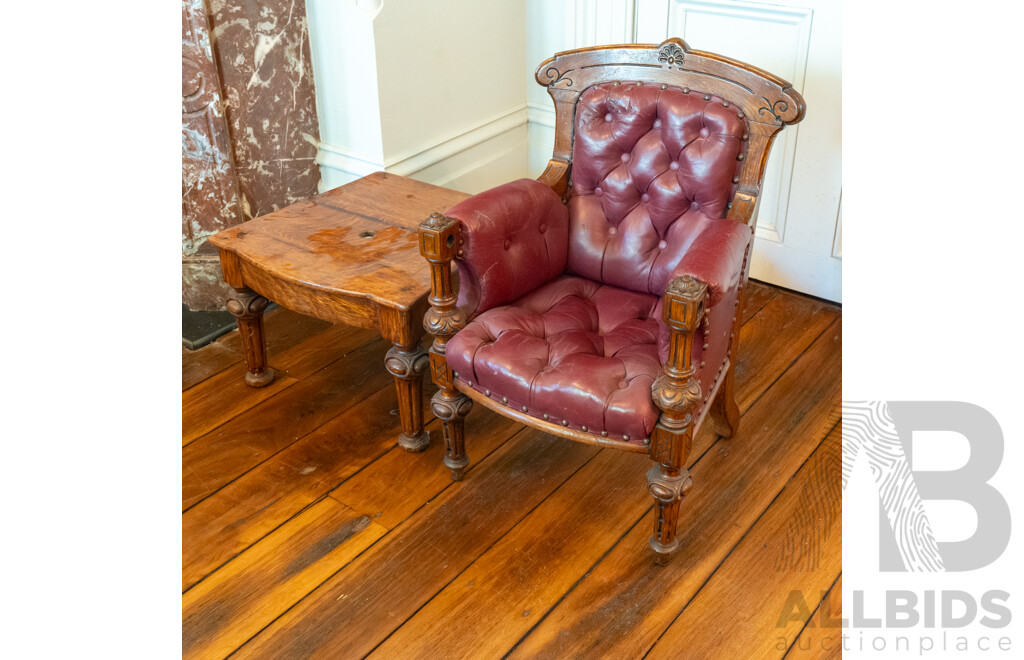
x=431 y=90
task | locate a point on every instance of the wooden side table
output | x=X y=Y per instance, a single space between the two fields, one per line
x=347 y=256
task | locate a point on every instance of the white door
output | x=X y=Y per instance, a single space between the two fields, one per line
x=798 y=243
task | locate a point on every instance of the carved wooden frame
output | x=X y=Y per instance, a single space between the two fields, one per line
x=766 y=103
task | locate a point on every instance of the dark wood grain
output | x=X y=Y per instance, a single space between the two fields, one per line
x=247 y=440
x=221 y=613
x=421 y=476
x=245 y=510
x=349 y=615
x=226 y=395
x=507 y=590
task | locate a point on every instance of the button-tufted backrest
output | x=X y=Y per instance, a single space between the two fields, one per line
x=652 y=166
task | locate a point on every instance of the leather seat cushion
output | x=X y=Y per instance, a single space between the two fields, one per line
x=573 y=349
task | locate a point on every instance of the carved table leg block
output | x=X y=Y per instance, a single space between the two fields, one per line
x=451 y=408
x=668 y=491
x=247 y=306
x=407 y=366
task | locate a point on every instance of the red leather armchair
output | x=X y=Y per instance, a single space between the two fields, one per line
x=600 y=303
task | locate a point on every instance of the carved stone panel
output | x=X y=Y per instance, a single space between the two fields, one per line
x=262 y=51
x=249 y=125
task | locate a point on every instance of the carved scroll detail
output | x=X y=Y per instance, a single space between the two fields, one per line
x=774 y=109
x=556 y=76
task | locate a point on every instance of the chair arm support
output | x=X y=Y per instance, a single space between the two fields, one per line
x=439 y=238
x=677 y=390
x=513 y=238
x=556 y=176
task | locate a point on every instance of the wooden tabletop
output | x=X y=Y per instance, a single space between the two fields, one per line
x=356 y=241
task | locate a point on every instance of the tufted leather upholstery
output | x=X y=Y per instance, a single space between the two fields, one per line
x=572 y=330
x=652 y=169
x=515 y=239
x=574 y=349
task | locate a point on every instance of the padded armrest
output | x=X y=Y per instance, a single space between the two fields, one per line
x=515 y=239
x=716 y=258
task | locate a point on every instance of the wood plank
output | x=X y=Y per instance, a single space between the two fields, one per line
x=360 y=442
x=758 y=295
x=626 y=601
x=244 y=511
x=222 y=397
x=202 y=363
x=247 y=440
x=423 y=475
x=221 y=613
x=358 y=607
x=776 y=336
x=495 y=601
x=796 y=546
x=226 y=395
x=822 y=640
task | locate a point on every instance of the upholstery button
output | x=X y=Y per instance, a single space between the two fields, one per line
x=673 y=166
x=598 y=191
x=543 y=228
x=623 y=384
x=612 y=231
x=608 y=117
x=625 y=158
x=662 y=244
x=645 y=197
x=657 y=123
x=694 y=205
x=508 y=244
x=704 y=132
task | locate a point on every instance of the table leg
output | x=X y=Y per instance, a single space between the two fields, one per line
x=407 y=365
x=247 y=306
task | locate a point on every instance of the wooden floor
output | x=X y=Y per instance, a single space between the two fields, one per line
x=308 y=532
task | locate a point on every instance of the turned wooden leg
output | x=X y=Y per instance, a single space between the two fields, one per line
x=724 y=412
x=451 y=407
x=407 y=366
x=247 y=306
x=668 y=490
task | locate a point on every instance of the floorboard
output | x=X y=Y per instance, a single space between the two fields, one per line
x=308 y=532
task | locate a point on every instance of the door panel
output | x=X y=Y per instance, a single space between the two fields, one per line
x=798 y=234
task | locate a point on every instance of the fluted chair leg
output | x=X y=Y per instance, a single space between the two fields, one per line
x=668 y=488
x=451 y=407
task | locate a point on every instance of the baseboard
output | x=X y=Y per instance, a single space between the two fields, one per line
x=343 y=165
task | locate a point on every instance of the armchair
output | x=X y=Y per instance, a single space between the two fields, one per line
x=600 y=303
